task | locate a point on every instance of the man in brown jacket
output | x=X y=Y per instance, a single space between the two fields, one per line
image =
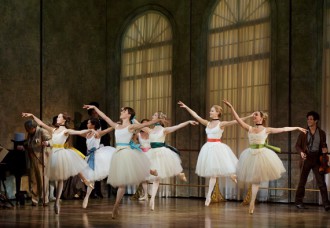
x=310 y=146
x=38 y=156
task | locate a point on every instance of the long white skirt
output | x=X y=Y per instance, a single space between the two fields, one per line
x=64 y=163
x=165 y=161
x=258 y=165
x=128 y=167
x=216 y=159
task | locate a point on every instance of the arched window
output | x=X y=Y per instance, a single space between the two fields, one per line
x=239 y=61
x=146 y=65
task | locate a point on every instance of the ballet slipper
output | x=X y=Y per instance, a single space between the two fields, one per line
x=207 y=201
x=85 y=202
x=115 y=211
x=88 y=184
x=145 y=197
x=234 y=178
x=57 y=208
x=152 y=204
x=182 y=177
x=251 y=208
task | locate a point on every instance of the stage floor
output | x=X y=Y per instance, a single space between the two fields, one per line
x=170 y=212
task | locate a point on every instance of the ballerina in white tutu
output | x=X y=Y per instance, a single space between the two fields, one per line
x=164 y=160
x=258 y=163
x=63 y=162
x=98 y=156
x=129 y=166
x=215 y=158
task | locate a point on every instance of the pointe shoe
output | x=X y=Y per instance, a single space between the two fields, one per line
x=85 y=203
x=144 y=198
x=57 y=208
x=88 y=184
x=251 y=209
x=207 y=201
x=183 y=177
x=154 y=172
x=152 y=204
x=114 y=211
x=234 y=178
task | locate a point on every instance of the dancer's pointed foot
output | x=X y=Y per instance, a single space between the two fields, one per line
x=251 y=208
x=234 y=178
x=115 y=211
x=182 y=177
x=88 y=183
x=152 y=204
x=154 y=172
x=207 y=201
x=85 y=202
x=57 y=208
x=144 y=198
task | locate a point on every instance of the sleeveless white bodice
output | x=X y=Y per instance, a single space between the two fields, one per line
x=123 y=135
x=257 y=138
x=214 y=133
x=158 y=136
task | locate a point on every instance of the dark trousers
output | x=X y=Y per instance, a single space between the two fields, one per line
x=312 y=162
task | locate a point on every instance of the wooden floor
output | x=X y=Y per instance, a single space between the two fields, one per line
x=170 y=212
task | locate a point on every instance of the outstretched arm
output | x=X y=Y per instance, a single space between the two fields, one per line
x=38 y=121
x=232 y=122
x=81 y=133
x=168 y=130
x=144 y=126
x=239 y=120
x=101 y=114
x=193 y=113
x=270 y=130
x=105 y=131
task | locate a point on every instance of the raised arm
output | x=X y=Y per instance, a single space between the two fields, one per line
x=193 y=113
x=270 y=130
x=38 y=121
x=239 y=120
x=101 y=114
x=168 y=130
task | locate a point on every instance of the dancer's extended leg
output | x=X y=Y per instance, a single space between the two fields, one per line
x=211 y=187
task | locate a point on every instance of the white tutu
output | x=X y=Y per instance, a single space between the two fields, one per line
x=102 y=160
x=165 y=161
x=258 y=165
x=64 y=163
x=216 y=159
x=128 y=167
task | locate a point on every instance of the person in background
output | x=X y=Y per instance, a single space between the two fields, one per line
x=311 y=146
x=38 y=155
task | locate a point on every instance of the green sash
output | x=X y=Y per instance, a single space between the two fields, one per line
x=273 y=148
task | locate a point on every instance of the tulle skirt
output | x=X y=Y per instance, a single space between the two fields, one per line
x=64 y=163
x=128 y=167
x=102 y=160
x=165 y=161
x=216 y=159
x=258 y=165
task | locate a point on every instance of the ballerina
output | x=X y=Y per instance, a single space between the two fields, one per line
x=128 y=165
x=63 y=162
x=98 y=156
x=258 y=163
x=164 y=160
x=215 y=158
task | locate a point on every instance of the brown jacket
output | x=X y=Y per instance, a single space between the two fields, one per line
x=301 y=144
